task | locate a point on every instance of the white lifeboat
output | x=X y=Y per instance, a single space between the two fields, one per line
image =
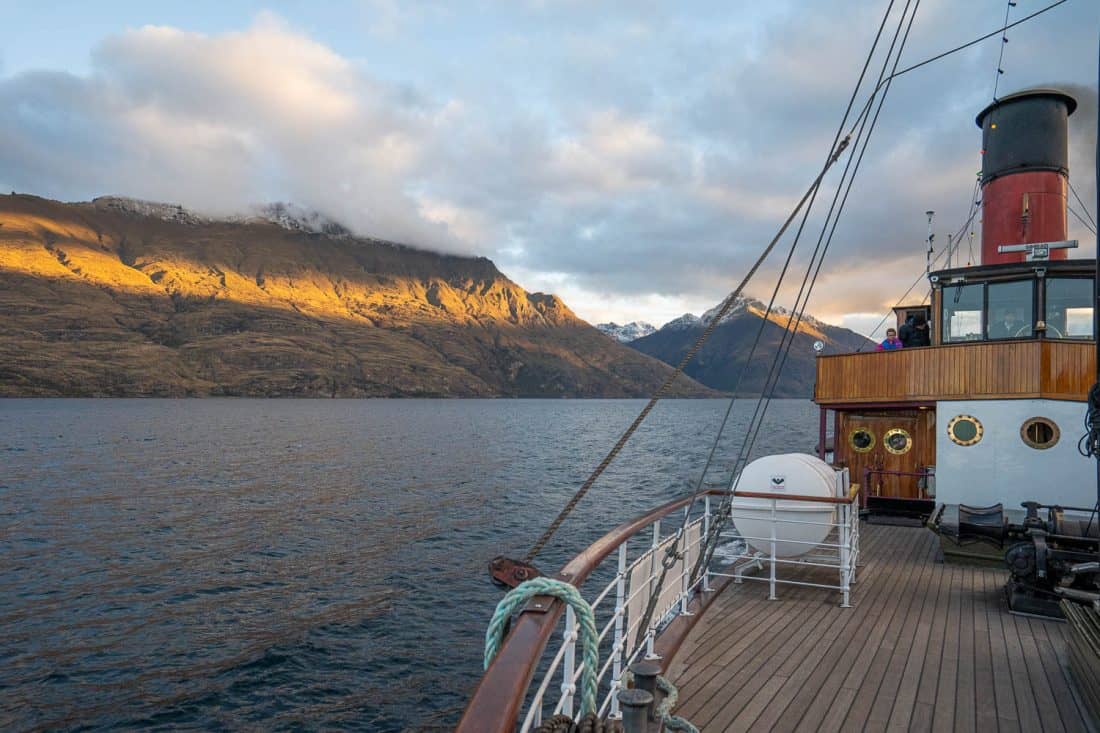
x=799 y=525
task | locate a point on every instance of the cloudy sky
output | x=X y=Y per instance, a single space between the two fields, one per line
x=629 y=156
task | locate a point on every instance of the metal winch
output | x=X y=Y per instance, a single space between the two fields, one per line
x=1050 y=556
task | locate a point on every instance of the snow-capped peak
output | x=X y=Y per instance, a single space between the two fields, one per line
x=288 y=216
x=628 y=332
x=684 y=322
x=296 y=218
x=155 y=209
x=740 y=305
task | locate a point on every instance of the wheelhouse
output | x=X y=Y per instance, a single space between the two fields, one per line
x=1048 y=299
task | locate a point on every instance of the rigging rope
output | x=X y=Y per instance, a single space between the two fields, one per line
x=727 y=304
x=832 y=231
x=1087 y=224
x=952 y=243
x=956 y=49
x=586 y=628
x=672 y=553
x=1083 y=207
x=833 y=216
x=1000 y=58
x=782 y=353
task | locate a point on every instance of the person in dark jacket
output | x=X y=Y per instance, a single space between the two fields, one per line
x=919 y=334
x=905 y=333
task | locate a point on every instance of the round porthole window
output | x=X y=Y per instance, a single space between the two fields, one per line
x=861 y=440
x=897 y=441
x=964 y=430
x=1040 y=432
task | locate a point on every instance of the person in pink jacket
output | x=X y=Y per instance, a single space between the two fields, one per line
x=892 y=341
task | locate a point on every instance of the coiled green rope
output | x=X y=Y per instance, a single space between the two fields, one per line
x=586 y=627
x=664 y=710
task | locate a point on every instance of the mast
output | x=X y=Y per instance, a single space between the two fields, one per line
x=1096 y=296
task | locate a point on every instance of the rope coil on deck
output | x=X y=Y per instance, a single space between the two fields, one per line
x=664 y=710
x=586 y=628
x=590 y=723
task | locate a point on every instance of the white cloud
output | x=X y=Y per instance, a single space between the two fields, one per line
x=634 y=163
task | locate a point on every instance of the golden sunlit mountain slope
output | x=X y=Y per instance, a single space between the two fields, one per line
x=110 y=298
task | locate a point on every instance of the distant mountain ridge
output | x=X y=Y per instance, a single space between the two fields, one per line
x=124 y=297
x=627 y=332
x=286 y=215
x=723 y=357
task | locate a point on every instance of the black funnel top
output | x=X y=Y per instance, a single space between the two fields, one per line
x=1026 y=131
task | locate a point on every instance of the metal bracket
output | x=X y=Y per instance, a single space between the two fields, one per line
x=1037 y=250
x=539 y=604
x=508 y=573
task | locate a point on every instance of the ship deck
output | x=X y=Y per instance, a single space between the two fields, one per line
x=925 y=646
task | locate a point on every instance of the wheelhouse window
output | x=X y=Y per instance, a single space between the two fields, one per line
x=1068 y=308
x=962 y=312
x=1010 y=311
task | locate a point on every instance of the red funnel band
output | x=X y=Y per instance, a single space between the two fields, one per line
x=1023 y=208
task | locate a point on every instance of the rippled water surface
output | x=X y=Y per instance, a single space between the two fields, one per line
x=229 y=564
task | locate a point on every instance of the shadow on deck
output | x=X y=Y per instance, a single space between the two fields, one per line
x=926 y=646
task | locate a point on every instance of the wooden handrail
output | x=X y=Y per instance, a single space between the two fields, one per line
x=496 y=703
x=852 y=492
x=884 y=472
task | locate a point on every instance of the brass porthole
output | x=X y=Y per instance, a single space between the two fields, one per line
x=964 y=430
x=1040 y=432
x=862 y=440
x=897 y=441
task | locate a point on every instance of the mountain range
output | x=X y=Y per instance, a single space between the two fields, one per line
x=628 y=332
x=723 y=358
x=125 y=298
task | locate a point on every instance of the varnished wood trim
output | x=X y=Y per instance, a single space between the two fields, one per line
x=987 y=370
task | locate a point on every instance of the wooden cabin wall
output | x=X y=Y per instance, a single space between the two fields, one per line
x=980 y=370
x=921 y=426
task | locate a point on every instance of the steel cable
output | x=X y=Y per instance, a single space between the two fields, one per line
x=792 y=324
x=673 y=551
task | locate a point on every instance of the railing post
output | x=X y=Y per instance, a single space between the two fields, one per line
x=653 y=563
x=706 y=534
x=845 y=556
x=569 y=638
x=619 y=645
x=855 y=546
x=771 y=581
x=685 y=581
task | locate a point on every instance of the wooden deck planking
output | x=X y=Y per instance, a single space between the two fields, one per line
x=719 y=654
x=747 y=651
x=886 y=699
x=877 y=685
x=1047 y=635
x=794 y=595
x=824 y=688
x=752 y=676
x=926 y=646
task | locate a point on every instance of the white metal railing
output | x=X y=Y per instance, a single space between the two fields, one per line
x=630 y=588
x=838 y=551
x=633 y=583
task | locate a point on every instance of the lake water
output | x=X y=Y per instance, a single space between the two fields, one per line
x=300 y=564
